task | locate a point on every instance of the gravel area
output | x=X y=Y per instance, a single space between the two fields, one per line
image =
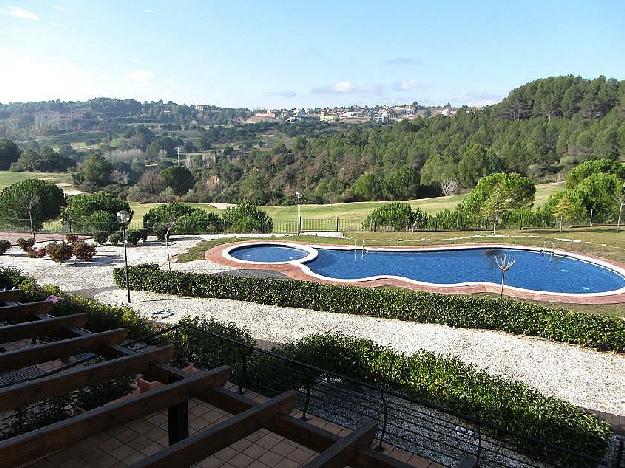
x=584 y=377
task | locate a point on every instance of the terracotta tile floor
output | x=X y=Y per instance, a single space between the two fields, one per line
x=125 y=445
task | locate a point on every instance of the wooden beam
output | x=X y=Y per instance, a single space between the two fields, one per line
x=35 y=444
x=58 y=349
x=345 y=449
x=24 y=311
x=211 y=440
x=43 y=327
x=12 y=295
x=301 y=432
x=59 y=384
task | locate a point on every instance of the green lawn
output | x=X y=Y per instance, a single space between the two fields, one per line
x=64 y=180
x=355 y=210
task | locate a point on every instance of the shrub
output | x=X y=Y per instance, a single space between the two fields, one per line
x=83 y=251
x=596 y=331
x=94 y=213
x=246 y=217
x=59 y=251
x=26 y=244
x=34 y=252
x=100 y=237
x=184 y=218
x=457 y=387
x=4 y=246
x=397 y=216
x=115 y=238
x=71 y=238
x=134 y=236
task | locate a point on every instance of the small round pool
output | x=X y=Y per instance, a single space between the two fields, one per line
x=268 y=253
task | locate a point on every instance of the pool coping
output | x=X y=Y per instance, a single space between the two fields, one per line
x=296 y=269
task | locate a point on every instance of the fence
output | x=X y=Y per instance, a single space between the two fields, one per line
x=404 y=422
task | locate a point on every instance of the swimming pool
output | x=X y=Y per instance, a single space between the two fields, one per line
x=534 y=270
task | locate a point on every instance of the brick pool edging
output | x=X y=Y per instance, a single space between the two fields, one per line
x=295 y=271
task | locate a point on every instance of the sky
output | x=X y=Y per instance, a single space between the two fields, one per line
x=301 y=53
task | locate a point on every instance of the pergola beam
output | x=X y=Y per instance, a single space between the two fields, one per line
x=12 y=295
x=59 y=384
x=345 y=449
x=43 y=327
x=209 y=441
x=24 y=311
x=40 y=442
x=59 y=349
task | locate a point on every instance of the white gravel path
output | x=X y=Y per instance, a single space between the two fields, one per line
x=584 y=377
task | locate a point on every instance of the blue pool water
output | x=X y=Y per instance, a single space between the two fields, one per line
x=268 y=253
x=533 y=270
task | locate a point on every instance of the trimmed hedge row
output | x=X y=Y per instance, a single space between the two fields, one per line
x=445 y=382
x=459 y=388
x=520 y=318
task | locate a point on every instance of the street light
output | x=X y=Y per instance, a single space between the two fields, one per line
x=123 y=217
x=299 y=213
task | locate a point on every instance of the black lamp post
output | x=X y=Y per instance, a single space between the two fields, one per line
x=124 y=217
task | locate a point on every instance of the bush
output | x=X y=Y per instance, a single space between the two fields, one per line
x=4 y=246
x=94 y=213
x=83 y=251
x=34 y=252
x=59 y=251
x=100 y=237
x=457 y=387
x=26 y=244
x=134 y=236
x=184 y=218
x=246 y=217
x=397 y=216
x=71 y=238
x=596 y=331
x=115 y=238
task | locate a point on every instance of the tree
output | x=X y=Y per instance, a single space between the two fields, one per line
x=246 y=217
x=500 y=192
x=599 y=193
x=402 y=183
x=568 y=207
x=179 y=178
x=9 y=153
x=475 y=163
x=30 y=203
x=94 y=213
x=368 y=186
x=595 y=166
x=95 y=170
x=255 y=187
x=45 y=160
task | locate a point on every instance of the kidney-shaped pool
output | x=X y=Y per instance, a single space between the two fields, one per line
x=533 y=270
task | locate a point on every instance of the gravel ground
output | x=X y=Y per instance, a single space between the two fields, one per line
x=584 y=377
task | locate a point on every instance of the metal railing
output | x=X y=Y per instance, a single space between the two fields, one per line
x=424 y=429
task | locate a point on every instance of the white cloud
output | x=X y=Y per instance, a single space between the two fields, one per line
x=340 y=87
x=18 y=12
x=288 y=93
x=140 y=76
x=408 y=85
x=149 y=12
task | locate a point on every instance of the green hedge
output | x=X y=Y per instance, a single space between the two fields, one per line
x=445 y=382
x=459 y=388
x=520 y=318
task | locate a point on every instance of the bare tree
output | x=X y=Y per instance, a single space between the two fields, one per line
x=504 y=264
x=449 y=186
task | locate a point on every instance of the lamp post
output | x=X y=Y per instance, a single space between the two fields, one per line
x=299 y=213
x=123 y=217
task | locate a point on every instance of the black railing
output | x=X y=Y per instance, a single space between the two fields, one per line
x=428 y=431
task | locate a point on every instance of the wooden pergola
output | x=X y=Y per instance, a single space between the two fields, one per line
x=33 y=320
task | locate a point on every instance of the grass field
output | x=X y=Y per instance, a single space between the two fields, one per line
x=62 y=179
x=355 y=210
